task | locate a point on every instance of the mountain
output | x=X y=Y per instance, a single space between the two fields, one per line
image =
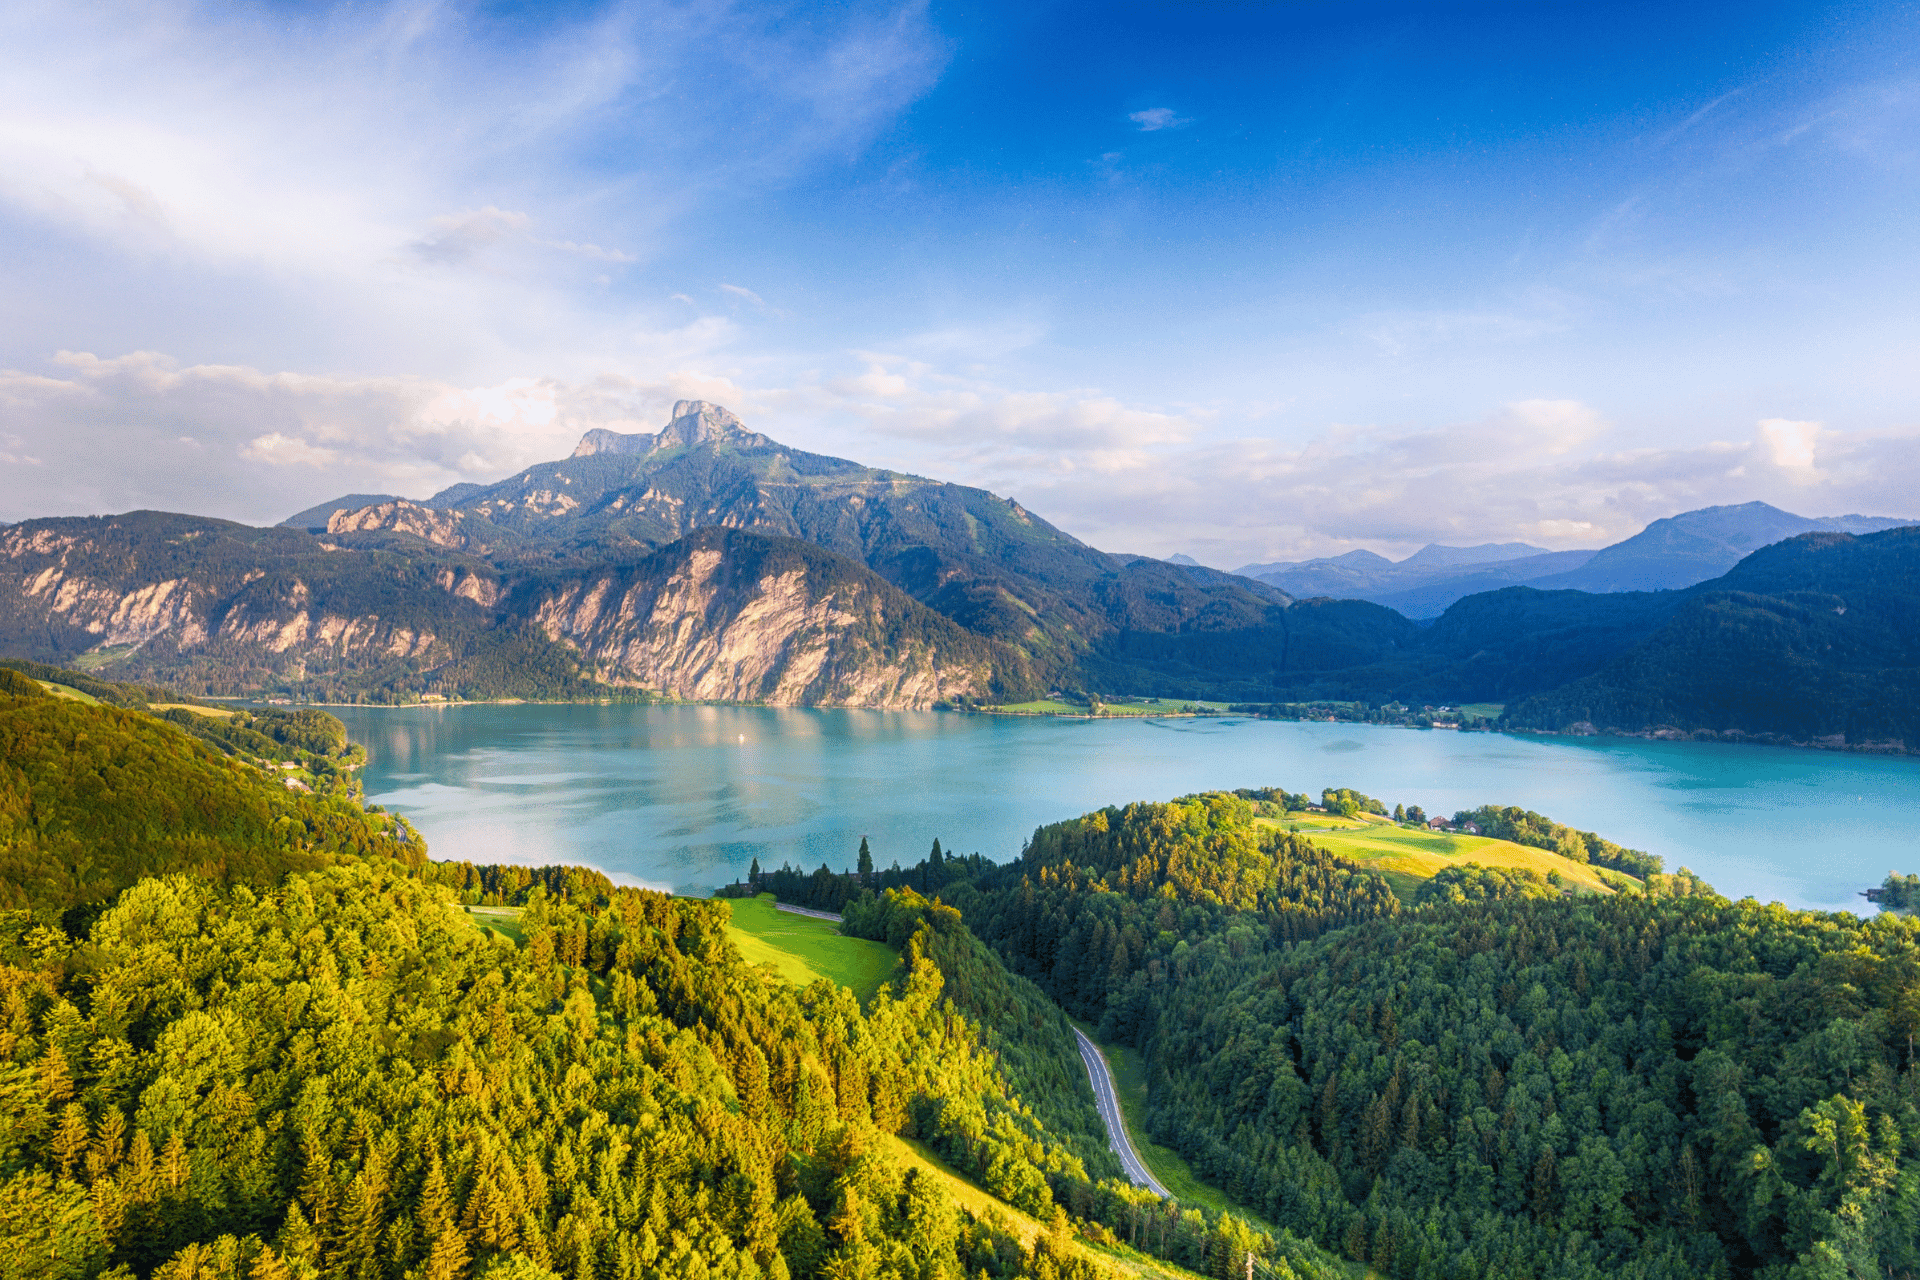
x=214 y=606
x=1430 y=598
x=1668 y=554
x=314 y=519
x=1435 y=556
x=1697 y=545
x=1422 y=585
x=709 y=561
x=1812 y=640
x=982 y=560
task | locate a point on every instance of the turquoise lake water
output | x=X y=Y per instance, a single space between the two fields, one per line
x=682 y=797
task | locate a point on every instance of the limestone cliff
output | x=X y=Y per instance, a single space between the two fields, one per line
x=723 y=614
x=733 y=616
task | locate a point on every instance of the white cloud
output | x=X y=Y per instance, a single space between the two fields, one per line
x=1154 y=119
x=1791 y=444
x=277 y=450
x=437 y=187
x=114 y=434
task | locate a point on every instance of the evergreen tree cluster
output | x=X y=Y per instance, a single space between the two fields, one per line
x=1523 y=826
x=1097 y=904
x=1624 y=1086
x=342 y=1076
x=1500 y=1082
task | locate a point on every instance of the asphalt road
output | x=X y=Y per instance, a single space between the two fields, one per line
x=1109 y=1102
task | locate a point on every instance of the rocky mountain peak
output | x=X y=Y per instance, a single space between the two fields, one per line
x=692 y=422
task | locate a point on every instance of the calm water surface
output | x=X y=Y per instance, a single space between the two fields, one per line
x=683 y=797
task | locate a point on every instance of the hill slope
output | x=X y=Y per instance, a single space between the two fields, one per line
x=1697 y=545
x=1816 y=639
x=92 y=798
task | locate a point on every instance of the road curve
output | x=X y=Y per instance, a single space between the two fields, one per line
x=1109 y=1102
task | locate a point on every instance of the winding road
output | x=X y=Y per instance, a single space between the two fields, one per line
x=1109 y=1102
x=1104 y=1094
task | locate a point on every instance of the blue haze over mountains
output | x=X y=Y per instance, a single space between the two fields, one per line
x=1667 y=555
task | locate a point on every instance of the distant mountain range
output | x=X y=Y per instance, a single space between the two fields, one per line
x=708 y=561
x=1667 y=555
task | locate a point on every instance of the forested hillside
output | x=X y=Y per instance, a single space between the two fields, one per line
x=92 y=798
x=1500 y=1080
x=247 y=1031
x=344 y=1077
x=1810 y=640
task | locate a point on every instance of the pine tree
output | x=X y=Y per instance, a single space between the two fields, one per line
x=447 y=1260
x=70 y=1142
x=268 y=1265
x=866 y=861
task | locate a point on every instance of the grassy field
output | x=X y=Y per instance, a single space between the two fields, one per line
x=1406 y=856
x=218 y=712
x=1485 y=710
x=1121 y=1261
x=68 y=692
x=803 y=949
x=503 y=919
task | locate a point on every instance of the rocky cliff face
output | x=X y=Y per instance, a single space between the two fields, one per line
x=731 y=616
x=439 y=528
x=722 y=615
x=692 y=422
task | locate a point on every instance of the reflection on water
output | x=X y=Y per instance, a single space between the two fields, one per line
x=684 y=797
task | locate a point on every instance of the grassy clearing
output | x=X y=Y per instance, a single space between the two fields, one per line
x=1485 y=710
x=1406 y=856
x=803 y=949
x=1122 y=1261
x=504 y=920
x=220 y=713
x=68 y=692
x=97 y=658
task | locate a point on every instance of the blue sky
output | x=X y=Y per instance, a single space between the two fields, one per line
x=1251 y=281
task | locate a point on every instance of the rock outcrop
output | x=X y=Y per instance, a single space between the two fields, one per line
x=731 y=616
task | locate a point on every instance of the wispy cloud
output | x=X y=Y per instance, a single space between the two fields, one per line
x=1154 y=119
x=143 y=431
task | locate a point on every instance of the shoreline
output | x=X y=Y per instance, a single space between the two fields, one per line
x=1729 y=737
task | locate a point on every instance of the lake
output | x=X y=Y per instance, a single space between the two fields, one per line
x=683 y=797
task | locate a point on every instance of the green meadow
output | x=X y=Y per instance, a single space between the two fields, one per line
x=1408 y=855
x=803 y=949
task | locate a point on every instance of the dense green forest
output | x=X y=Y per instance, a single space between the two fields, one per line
x=1499 y=1081
x=1808 y=640
x=92 y=798
x=249 y=1031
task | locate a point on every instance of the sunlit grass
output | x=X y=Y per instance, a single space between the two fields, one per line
x=803 y=949
x=916 y=1155
x=1408 y=855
